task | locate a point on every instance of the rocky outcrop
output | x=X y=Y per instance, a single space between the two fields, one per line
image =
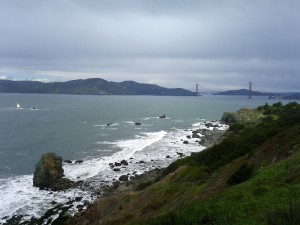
x=49 y=173
x=211 y=137
x=242 y=116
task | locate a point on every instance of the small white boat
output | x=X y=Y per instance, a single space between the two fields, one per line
x=18 y=106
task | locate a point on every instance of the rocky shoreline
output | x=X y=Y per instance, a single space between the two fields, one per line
x=207 y=137
x=126 y=183
x=108 y=200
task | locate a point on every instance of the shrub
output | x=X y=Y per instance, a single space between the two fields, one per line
x=241 y=175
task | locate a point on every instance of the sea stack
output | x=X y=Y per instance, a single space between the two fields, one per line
x=49 y=173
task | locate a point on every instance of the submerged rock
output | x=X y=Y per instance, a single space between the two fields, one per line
x=49 y=173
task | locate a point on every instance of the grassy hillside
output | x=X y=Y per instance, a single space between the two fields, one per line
x=252 y=177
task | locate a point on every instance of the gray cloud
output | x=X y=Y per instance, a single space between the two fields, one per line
x=218 y=44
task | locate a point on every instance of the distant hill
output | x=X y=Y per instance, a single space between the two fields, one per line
x=241 y=92
x=92 y=86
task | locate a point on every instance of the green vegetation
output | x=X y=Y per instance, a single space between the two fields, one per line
x=251 y=177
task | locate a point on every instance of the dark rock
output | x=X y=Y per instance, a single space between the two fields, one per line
x=78 y=199
x=124 y=162
x=62 y=184
x=141 y=161
x=49 y=173
x=185 y=142
x=70 y=202
x=168 y=157
x=209 y=125
x=123 y=178
x=81 y=182
x=188 y=136
x=68 y=161
x=78 y=161
x=196 y=135
x=117 y=169
x=108 y=124
x=86 y=203
x=79 y=206
x=162 y=116
x=138 y=124
x=180 y=154
x=117 y=164
x=53 y=203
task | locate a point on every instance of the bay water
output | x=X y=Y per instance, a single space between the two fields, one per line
x=98 y=130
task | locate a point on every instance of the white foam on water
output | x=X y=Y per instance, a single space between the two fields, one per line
x=129 y=147
x=84 y=170
x=106 y=142
x=196 y=124
x=146 y=151
x=18 y=196
x=153 y=117
x=93 y=167
x=129 y=122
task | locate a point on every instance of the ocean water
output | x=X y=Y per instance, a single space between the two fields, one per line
x=75 y=127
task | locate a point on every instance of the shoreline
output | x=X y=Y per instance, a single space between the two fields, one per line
x=134 y=186
x=135 y=182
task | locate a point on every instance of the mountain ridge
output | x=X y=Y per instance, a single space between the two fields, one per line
x=241 y=92
x=91 y=86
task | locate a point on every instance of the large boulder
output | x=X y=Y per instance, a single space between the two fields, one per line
x=49 y=173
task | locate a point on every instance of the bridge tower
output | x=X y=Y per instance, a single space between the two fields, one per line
x=197 y=90
x=250 y=90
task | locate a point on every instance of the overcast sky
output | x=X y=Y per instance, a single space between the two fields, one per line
x=219 y=44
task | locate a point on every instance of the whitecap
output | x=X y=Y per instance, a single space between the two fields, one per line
x=94 y=167
x=18 y=196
